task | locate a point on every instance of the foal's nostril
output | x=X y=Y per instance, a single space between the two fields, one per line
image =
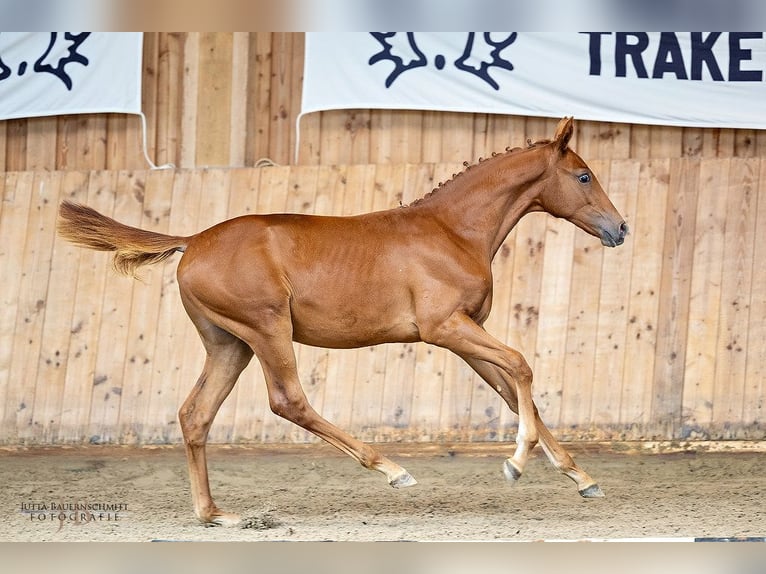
x=623 y=230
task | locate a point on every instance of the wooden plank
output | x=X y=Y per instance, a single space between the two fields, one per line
x=755 y=377
x=17 y=197
x=239 y=104
x=259 y=100
x=582 y=325
x=80 y=318
x=41 y=144
x=611 y=344
x=35 y=266
x=214 y=100
x=552 y=330
x=675 y=287
x=648 y=237
x=112 y=347
x=702 y=350
x=190 y=98
x=281 y=98
x=736 y=285
x=141 y=358
x=168 y=113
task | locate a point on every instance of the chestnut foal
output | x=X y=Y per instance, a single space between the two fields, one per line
x=254 y=284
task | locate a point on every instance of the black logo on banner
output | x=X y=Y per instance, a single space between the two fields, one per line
x=50 y=61
x=482 y=53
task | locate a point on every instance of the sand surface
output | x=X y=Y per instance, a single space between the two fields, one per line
x=312 y=493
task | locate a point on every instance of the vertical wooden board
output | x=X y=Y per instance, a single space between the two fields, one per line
x=692 y=139
x=170 y=86
x=150 y=88
x=675 y=286
x=83 y=321
x=273 y=191
x=117 y=152
x=4 y=146
x=665 y=141
x=553 y=326
x=432 y=131
x=384 y=130
x=736 y=285
x=648 y=236
x=190 y=99
x=55 y=337
x=142 y=358
x=602 y=140
x=523 y=308
x=35 y=272
x=281 y=98
x=259 y=99
x=640 y=144
x=17 y=194
x=457 y=138
x=705 y=297
x=582 y=327
x=41 y=143
x=16 y=144
x=755 y=389
x=239 y=104
x=214 y=99
x=113 y=343
x=622 y=188
x=745 y=143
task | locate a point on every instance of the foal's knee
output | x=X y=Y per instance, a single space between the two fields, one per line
x=519 y=368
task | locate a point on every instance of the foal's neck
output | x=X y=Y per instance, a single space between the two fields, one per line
x=485 y=201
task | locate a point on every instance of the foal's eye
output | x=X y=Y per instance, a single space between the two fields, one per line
x=584 y=178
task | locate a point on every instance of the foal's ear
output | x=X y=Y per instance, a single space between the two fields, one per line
x=564 y=133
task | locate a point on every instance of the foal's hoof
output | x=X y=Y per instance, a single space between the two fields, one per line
x=512 y=473
x=225 y=519
x=592 y=491
x=403 y=480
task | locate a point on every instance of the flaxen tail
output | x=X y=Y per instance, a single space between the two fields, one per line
x=134 y=247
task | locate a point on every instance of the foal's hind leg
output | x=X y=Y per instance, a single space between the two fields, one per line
x=287 y=399
x=227 y=356
x=556 y=453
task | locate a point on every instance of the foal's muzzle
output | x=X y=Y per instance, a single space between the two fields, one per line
x=610 y=239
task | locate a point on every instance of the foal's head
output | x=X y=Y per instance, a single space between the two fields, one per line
x=572 y=192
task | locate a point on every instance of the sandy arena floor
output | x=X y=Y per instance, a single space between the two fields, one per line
x=312 y=493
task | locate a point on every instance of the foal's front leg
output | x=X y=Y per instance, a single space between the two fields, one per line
x=556 y=453
x=467 y=339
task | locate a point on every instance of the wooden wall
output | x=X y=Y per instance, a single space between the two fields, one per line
x=231 y=99
x=660 y=338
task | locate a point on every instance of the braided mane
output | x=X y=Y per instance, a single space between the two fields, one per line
x=467 y=166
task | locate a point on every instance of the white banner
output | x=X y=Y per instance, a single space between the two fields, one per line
x=705 y=79
x=52 y=73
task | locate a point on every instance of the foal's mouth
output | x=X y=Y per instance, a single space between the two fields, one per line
x=613 y=239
